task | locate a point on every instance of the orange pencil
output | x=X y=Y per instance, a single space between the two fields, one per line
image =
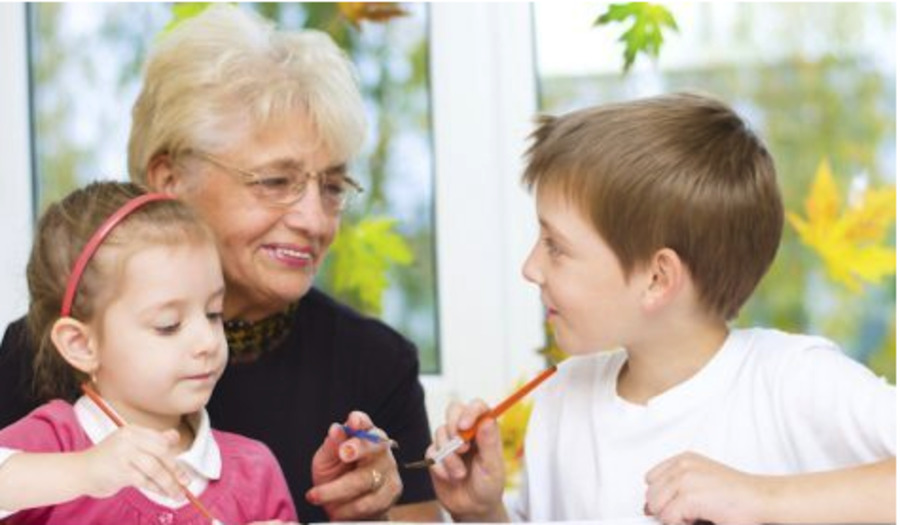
x=95 y=397
x=467 y=435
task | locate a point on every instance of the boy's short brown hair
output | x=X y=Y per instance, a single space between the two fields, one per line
x=681 y=171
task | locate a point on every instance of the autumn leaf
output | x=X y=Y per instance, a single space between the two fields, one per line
x=357 y=12
x=183 y=11
x=513 y=425
x=362 y=255
x=551 y=351
x=869 y=221
x=852 y=243
x=646 y=32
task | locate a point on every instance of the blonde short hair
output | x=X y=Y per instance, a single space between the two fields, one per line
x=224 y=73
x=678 y=171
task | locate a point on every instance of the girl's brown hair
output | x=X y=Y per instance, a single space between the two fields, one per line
x=676 y=171
x=62 y=233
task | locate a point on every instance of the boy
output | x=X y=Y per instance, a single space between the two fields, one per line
x=658 y=219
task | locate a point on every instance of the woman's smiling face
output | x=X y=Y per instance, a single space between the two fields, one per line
x=270 y=253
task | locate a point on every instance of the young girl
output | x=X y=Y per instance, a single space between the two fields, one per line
x=126 y=296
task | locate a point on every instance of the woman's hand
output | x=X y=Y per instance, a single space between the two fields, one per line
x=469 y=483
x=354 y=479
x=690 y=487
x=134 y=457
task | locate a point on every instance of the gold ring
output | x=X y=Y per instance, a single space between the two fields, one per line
x=377 y=480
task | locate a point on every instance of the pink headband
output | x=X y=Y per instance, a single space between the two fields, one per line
x=88 y=251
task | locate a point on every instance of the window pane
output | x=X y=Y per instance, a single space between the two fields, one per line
x=817 y=81
x=85 y=64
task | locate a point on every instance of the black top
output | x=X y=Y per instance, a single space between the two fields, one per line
x=333 y=361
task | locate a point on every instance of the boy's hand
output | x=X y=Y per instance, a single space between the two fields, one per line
x=469 y=482
x=134 y=457
x=690 y=487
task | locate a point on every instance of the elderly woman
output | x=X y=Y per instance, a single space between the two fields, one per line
x=254 y=129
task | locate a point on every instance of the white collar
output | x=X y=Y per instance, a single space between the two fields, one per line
x=203 y=457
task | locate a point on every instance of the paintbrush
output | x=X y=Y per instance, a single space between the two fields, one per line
x=369 y=436
x=467 y=435
x=95 y=397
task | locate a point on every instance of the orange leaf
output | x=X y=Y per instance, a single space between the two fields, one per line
x=357 y=12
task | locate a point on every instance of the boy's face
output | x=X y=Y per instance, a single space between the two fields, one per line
x=161 y=343
x=583 y=288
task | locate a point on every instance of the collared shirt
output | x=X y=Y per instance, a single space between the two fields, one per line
x=202 y=461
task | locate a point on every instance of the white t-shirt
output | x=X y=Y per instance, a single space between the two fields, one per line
x=767 y=403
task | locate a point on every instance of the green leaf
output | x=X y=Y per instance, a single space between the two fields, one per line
x=363 y=254
x=646 y=32
x=182 y=12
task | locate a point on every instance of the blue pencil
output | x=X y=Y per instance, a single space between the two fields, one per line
x=368 y=436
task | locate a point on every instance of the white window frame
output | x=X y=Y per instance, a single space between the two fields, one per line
x=484 y=95
x=15 y=181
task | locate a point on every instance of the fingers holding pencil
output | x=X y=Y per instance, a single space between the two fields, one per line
x=469 y=479
x=449 y=449
x=456 y=415
x=133 y=456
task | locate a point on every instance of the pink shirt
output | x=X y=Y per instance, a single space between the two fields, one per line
x=250 y=487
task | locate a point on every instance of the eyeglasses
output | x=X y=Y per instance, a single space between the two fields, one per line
x=285 y=186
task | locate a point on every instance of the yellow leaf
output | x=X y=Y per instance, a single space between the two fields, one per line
x=551 y=351
x=851 y=243
x=871 y=220
x=803 y=228
x=513 y=425
x=822 y=204
x=874 y=263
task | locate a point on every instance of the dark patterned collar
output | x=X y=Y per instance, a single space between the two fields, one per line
x=247 y=341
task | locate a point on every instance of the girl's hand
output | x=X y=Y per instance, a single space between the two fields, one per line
x=354 y=479
x=690 y=487
x=134 y=457
x=469 y=483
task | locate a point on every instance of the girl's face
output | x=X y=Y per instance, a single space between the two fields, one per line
x=589 y=302
x=270 y=253
x=160 y=342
